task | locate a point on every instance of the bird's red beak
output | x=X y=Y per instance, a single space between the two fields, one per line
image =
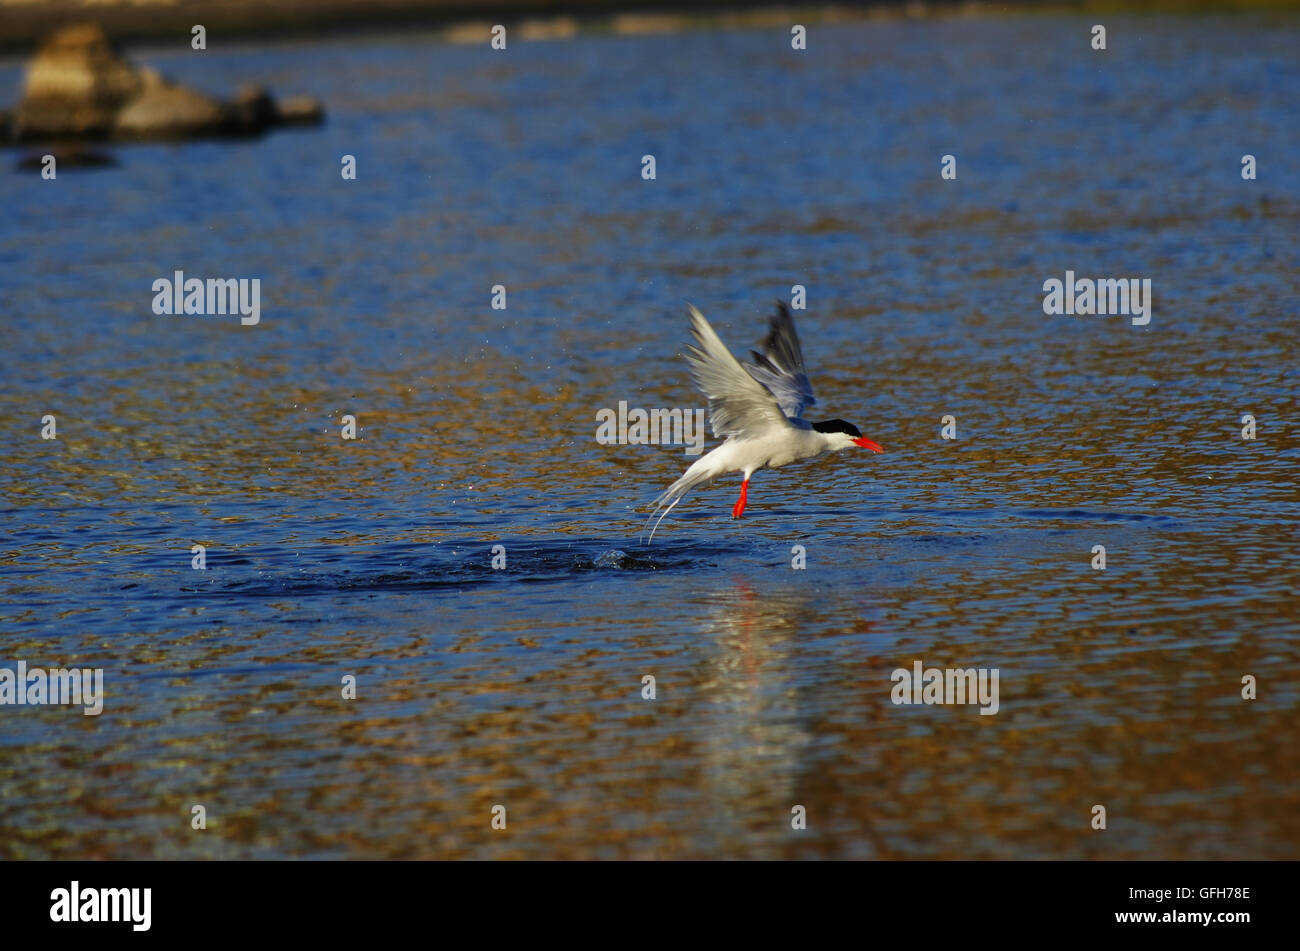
x=866 y=443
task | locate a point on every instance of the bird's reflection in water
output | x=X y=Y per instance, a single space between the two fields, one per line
x=755 y=734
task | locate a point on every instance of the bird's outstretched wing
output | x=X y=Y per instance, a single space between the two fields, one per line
x=738 y=404
x=780 y=366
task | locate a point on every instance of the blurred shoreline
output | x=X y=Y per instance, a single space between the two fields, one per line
x=24 y=23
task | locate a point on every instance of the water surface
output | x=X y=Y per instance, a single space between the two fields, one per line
x=522 y=686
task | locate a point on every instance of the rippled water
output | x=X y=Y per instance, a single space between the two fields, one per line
x=522 y=686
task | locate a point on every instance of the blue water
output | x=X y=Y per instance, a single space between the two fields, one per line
x=522 y=686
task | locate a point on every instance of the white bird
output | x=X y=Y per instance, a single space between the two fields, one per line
x=757 y=409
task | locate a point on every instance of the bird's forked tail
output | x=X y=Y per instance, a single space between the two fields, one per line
x=700 y=473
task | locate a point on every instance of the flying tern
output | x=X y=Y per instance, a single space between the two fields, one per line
x=757 y=409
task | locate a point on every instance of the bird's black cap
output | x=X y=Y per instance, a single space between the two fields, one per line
x=837 y=426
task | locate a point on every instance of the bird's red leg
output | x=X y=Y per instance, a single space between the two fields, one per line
x=738 y=509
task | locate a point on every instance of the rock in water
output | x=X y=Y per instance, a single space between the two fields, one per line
x=79 y=87
x=300 y=110
x=163 y=109
x=75 y=87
